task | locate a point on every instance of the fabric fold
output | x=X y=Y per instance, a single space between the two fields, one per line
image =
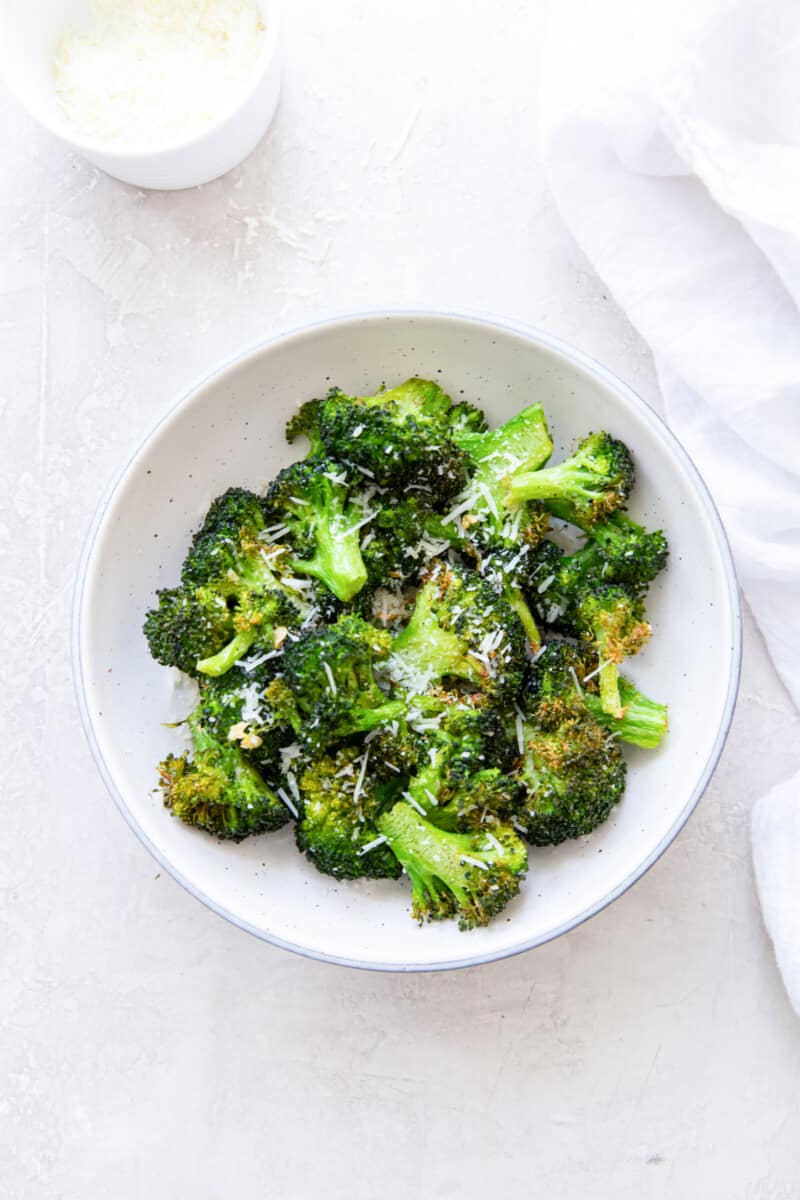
x=671 y=139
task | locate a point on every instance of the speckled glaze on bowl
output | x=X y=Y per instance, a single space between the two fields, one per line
x=229 y=429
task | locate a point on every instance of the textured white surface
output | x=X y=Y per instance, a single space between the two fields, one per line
x=147 y=1048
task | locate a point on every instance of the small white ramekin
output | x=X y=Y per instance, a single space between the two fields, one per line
x=29 y=35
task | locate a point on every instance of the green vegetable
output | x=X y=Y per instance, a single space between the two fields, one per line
x=460 y=628
x=217 y=789
x=471 y=876
x=373 y=645
x=336 y=830
x=331 y=675
x=586 y=488
x=572 y=770
x=400 y=437
x=311 y=501
x=643 y=722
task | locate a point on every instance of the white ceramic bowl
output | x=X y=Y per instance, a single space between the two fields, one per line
x=29 y=35
x=228 y=430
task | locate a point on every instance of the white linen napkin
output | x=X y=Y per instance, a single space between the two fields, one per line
x=671 y=139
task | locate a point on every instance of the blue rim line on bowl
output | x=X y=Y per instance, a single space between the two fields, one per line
x=592 y=367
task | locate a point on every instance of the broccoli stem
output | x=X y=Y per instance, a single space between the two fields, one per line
x=384 y=714
x=229 y=655
x=424 y=787
x=525 y=437
x=551 y=483
x=337 y=563
x=432 y=859
x=643 y=722
x=610 y=701
x=430 y=649
x=514 y=596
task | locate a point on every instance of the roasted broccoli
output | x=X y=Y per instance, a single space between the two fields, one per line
x=612 y=619
x=188 y=625
x=403 y=537
x=464 y=418
x=571 y=768
x=644 y=722
x=463 y=749
x=217 y=789
x=615 y=551
x=607 y=615
x=311 y=501
x=306 y=423
x=459 y=628
x=399 y=438
x=495 y=531
x=627 y=552
x=367 y=643
x=340 y=802
x=249 y=707
x=472 y=876
x=585 y=489
x=523 y=443
x=331 y=676
x=236 y=591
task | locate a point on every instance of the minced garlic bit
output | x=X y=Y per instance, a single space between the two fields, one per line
x=281 y=634
x=237 y=732
x=153 y=72
x=251 y=741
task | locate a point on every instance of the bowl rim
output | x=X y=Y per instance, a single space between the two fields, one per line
x=576 y=357
x=268 y=59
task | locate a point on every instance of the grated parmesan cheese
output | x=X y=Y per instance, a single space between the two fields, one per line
x=154 y=72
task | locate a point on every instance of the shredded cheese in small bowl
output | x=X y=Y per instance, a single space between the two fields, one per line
x=156 y=72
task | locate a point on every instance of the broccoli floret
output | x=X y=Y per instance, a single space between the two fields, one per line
x=463 y=750
x=330 y=674
x=480 y=801
x=615 y=551
x=460 y=628
x=311 y=501
x=472 y=876
x=571 y=782
x=643 y=722
x=489 y=518
x=399 y=437
x=259 y=617
x=235 y=591
x=522 y=443
x=248 y=707
x=465 y=418
x=611 y=617
x=556 y=580
x=230 y=540
x=217 y=789
x=585 y=489
x=340 y=802
x=187 y=626
x=306 y=423
x=402 y=538
x=394 y=750
x=571 y=769
x=629 y=553
x=487 y=799
x=497 y=532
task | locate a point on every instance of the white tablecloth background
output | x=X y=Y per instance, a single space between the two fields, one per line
x=147 y=1048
